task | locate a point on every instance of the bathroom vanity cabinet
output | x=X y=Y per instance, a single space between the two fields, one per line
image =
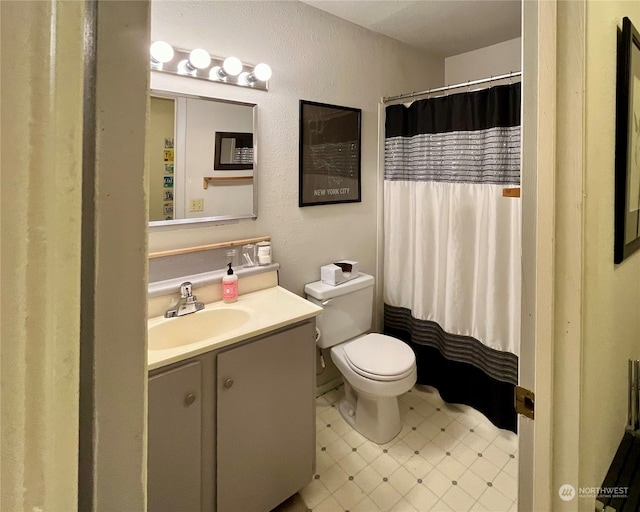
x=233 y=430
x=175 y=431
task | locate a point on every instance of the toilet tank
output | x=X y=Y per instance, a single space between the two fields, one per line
x=347 y=309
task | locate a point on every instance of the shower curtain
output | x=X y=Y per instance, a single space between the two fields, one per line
x=452 y=244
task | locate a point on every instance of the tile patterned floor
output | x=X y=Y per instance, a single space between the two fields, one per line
x=446 y=458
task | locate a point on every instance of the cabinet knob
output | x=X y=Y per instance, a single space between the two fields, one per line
x=189 y=399
x=228 y=383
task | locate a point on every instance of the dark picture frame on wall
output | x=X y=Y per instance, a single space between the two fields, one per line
x=627 y=163
x=329 y=155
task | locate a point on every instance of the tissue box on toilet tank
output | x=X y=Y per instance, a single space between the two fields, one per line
x=339 y=272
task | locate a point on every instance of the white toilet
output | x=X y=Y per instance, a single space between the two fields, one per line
x=376 y=368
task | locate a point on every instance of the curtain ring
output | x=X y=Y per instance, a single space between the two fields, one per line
x=468 y=85
x=510 y=77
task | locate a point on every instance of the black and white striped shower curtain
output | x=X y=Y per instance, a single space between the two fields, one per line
x=452 y=244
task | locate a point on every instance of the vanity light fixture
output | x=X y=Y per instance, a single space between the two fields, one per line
x=200 y=64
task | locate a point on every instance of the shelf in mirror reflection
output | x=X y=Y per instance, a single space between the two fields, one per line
x=225 y=180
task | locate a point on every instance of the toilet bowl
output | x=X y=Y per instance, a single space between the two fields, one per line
x=376 y=368
x=370 y=404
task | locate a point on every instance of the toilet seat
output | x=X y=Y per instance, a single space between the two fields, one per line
x=379 y=357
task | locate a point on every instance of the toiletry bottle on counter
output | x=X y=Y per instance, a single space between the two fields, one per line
x=230 y=286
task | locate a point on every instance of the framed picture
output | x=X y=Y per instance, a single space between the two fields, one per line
x=329 y=170
x=627 y=181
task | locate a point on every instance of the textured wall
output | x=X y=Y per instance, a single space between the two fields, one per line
x=314 y=56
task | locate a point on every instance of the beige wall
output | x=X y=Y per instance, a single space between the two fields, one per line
x=493 y=60
x=42 y=74
x=611 y=333
x=597 y=321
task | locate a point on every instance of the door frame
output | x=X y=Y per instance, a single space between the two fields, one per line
x=554 y=59
x=539 y=33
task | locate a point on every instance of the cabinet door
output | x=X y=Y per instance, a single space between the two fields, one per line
x=175 y=442
x=265 y=420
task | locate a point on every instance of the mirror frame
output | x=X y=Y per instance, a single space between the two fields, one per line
x=177 y=223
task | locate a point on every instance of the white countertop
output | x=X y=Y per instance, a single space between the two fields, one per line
x=269 y=309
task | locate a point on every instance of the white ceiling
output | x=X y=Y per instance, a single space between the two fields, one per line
x=441 y=27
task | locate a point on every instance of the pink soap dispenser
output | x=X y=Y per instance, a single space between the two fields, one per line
x=230 y=286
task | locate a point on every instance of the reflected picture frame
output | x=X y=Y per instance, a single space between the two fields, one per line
x=233 y=151
x=329 y=154
x=627 y=149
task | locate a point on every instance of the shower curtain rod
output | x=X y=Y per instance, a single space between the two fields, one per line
x=448 y=87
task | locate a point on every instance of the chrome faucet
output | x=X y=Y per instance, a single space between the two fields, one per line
x=187 y=303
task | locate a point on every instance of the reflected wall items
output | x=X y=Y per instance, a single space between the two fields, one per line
x=233 y=151
x=329 y=159
x=627 y=175
x=186 y=165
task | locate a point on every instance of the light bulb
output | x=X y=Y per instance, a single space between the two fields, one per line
x=232 y=66
x=262 y=72
x=243 y=78
x=161 y=51
x=214 y=73
x=200 y=58
x=184 y=68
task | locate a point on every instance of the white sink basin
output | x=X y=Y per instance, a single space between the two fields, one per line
x=220 y=325
x=196 y=327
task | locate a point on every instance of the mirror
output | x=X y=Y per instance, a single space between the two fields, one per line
x=201 y=154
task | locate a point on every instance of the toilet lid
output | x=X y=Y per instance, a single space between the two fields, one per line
x=380 y=357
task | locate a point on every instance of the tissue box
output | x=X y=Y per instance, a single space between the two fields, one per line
x=339 y=272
